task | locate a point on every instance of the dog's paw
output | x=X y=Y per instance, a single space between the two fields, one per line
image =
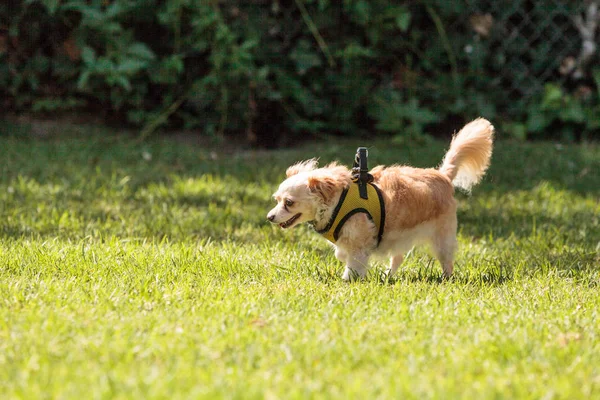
x=351 y=276
x=346 y=275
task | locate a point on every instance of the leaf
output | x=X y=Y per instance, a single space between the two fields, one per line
x=374 y=33
x=51 y=5
x=362 y=12
x=88 y=55
x=262 y=73
x=305 y=57
x=131 y=66
x=537 y=121
x=403 y=20
x=141 y=51
x=249 y=44
x=394 y=115
x=593 y=117
x=119 y=80
x=290 y=87
x=114 y=9
x=56 y=104
x=572 y=112
x=307 y=125
x=112 y=27
x=552 y=96
x=136 y=117
x=83 y=80
x=414 y=112
x=92 y=17
x=103 y=66
x=168 y=70
x=355 y=50
x=518 y=131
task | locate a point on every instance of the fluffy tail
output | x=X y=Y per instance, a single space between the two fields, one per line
x=469 y=154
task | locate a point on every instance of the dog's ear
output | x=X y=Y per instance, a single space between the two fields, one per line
x=323 y=185
x=302 y=166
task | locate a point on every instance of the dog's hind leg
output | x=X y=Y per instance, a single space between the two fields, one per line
x=395 y=262
x=444 y=243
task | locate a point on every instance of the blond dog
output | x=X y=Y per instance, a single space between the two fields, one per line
x=419 y=203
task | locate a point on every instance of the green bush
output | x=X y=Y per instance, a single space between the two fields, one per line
x=267 y=70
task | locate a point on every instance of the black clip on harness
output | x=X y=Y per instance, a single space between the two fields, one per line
x=360 y=172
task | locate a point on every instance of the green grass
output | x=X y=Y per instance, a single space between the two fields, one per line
x=148 y=271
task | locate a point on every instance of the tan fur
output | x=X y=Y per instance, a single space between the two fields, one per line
x=302 y=166
x=469 y=155
x=326 y=181
x=420 y=205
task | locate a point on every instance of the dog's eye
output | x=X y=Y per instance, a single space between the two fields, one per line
x=289 y=203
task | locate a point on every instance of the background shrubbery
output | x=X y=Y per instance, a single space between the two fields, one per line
x=272 y=70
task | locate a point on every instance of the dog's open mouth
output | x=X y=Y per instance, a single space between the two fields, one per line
x=290 y=221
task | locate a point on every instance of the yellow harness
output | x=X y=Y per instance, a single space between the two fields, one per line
x=352 y=203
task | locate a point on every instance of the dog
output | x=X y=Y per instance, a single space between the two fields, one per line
x=418 y=205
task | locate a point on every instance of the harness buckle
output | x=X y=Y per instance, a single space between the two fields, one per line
x=360 y=171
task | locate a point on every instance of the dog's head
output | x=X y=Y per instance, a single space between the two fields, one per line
x=307 y=192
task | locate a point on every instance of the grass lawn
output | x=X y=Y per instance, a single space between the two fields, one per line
x=148 y=271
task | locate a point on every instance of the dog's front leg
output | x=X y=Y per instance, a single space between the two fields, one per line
x=340 y=254
x=357 y=266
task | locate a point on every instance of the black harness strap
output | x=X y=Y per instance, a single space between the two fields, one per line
x=355 y=199
x=360 y=172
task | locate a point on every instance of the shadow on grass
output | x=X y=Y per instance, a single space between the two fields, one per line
x=74 y=172
x=580 y=225
x=522 y=259
x=427 y=271
x=483 y=279
x=515 y=166
x=493 y=274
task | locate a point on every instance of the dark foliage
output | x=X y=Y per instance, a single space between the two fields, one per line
x=271 y=71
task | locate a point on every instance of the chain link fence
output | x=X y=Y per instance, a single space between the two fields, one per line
x=532 y=42
x=277 y=69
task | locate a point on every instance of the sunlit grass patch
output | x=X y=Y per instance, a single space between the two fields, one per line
x=148 y=270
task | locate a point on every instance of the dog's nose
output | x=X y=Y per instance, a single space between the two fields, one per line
x=271 y=217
